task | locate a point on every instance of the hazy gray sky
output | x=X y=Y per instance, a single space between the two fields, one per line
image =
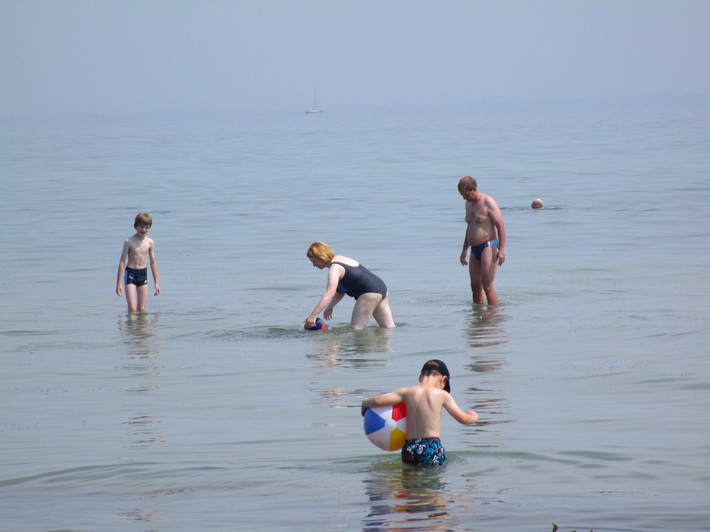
x=67 y=56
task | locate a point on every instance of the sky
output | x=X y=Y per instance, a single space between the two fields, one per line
x=138 y=56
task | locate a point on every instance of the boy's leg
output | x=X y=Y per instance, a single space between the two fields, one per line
x=131 y=297
x=142 y=292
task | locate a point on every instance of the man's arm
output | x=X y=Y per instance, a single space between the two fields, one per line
x=497 y=219
x=464 y=250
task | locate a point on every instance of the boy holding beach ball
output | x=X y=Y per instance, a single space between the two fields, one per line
x=424 y=403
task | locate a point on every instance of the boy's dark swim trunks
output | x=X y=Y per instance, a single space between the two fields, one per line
x=138 y=277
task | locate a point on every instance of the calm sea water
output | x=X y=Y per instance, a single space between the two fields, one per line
x=215 y=411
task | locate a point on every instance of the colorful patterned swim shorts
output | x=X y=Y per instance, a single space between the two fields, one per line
x=424 y=452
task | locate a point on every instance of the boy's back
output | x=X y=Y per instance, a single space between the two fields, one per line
x=424 y=403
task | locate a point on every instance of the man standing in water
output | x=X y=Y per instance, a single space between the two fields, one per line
x=485 y=235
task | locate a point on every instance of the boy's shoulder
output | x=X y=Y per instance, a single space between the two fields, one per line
x=421 y=389
x=137 y=242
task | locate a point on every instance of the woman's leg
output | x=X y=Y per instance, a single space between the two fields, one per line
x=364 y=308
x=383 y=314
x=372 y=305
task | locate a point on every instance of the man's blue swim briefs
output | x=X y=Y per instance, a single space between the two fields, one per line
x=138 y=277
x=477 y=250
x=424 y=452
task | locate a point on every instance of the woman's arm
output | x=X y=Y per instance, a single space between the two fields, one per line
x=335 y=272
x=328 y=312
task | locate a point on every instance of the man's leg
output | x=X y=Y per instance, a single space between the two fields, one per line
x=489 y=263
x=474 y=271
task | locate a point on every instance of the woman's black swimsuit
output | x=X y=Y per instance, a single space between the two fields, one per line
x=359 y=280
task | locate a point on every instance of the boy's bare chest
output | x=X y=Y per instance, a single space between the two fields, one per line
x=138 y=247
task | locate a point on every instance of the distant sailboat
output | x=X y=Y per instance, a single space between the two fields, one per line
x=316 y=107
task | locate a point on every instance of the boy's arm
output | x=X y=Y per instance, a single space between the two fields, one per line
x=456 y=412
x=154 y=268
x=121 y=268
x=381 y=400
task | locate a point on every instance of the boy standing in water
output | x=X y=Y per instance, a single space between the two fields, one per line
x=424 y=403
x=137 y=249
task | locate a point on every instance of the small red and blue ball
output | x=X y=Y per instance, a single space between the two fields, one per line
x=319 y=326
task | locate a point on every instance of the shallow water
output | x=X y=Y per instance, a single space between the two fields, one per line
x=215 y=411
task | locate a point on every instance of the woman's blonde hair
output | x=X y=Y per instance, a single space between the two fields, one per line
x=320 y=250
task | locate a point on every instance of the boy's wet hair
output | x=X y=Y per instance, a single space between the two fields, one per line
x=143 y=218
x=438 y=366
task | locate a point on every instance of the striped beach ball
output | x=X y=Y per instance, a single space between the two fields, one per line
x=386 y=426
